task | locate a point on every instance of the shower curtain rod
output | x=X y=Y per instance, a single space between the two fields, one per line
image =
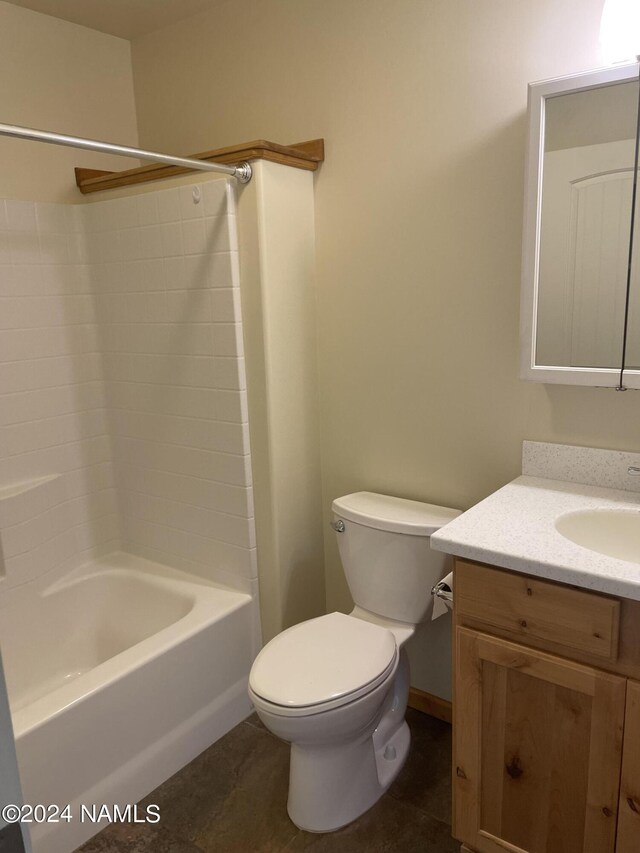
x=242 y=171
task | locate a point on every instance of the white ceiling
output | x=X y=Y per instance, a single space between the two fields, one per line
x=124 y=18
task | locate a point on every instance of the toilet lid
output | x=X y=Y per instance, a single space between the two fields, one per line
x=396 y=515
x=323 y=660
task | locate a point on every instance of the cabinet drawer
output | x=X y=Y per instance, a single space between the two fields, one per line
x=535 y=609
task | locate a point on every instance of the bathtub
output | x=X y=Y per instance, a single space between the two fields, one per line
x=118 y=675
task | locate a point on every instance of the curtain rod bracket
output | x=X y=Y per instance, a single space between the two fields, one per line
x=243 y=172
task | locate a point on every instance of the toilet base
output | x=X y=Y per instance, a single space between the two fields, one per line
x=329 y=787
x=332 y=785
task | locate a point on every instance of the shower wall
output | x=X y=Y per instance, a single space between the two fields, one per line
x=166 y=271
x=57 y=497
x=122 y=391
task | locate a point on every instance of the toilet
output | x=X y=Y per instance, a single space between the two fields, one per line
x=336 y=687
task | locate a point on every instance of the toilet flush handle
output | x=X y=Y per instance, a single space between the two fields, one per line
x=338 y=526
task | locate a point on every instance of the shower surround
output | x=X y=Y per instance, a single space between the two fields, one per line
x=128 y=583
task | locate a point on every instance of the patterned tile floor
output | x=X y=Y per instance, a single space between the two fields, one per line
x=232 y=799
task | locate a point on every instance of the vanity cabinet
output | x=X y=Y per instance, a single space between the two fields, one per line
x=546 y=718
x=538 y=749
x=629 y=809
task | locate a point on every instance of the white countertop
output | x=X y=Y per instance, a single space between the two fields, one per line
x=515 y=528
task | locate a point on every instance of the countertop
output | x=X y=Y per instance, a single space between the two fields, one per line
x=514 y=528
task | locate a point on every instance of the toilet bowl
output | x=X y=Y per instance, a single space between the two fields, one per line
x=336 y=687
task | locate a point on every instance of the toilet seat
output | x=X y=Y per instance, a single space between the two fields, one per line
x=322 y=664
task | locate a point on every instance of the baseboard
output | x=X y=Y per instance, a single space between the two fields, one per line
x=435 y=706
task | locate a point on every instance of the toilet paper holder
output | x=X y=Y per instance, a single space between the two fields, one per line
x=442 y=590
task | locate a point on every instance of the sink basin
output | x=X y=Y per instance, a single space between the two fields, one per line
x=614 y=532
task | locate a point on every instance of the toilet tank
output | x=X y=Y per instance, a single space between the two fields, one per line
x=384 y=548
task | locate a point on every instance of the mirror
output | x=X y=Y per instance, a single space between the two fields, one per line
x=577 y=230
x=632 y=353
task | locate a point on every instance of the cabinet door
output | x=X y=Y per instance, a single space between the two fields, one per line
x=629 y=817
x=537 y=750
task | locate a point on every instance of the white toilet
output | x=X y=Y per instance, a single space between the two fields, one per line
x=336 y=687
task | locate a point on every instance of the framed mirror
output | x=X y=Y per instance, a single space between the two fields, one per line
x=577 y=228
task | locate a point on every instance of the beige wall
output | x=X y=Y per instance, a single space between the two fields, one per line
x=61 y=77
x=418 y=218
x=277 y=254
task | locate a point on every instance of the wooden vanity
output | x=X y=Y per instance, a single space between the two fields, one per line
x=546 y=704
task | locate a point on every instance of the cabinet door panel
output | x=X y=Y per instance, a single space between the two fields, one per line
x=629 y=817
x=537 y=750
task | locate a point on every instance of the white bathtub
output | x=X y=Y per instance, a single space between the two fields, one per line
x=117 y=676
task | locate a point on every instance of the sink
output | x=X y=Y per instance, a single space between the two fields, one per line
x=614 y=532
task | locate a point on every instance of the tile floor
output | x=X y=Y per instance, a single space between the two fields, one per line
x=232 y=799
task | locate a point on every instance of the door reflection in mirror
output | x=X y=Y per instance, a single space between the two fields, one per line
x=587 y=184
x=631 y=351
